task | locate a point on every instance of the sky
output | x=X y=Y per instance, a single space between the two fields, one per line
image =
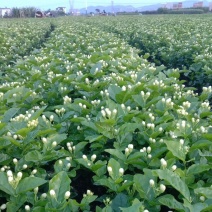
x=52 y=4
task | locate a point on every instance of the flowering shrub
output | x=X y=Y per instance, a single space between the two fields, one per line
x=88 y=125
x=182 y=42
x=19 y=37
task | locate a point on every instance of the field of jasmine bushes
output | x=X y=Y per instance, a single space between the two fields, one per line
x=90 y=121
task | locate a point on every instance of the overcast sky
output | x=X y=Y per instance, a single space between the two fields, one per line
x=52 y=4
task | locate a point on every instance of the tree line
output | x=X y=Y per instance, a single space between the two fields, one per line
x=29 y=12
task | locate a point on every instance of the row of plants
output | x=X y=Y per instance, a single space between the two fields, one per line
x=88 y=125
x=19 y=37
x=182 y=42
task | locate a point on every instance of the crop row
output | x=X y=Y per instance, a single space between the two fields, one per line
x=19 y=37
x=87 y=124
x=182 y=42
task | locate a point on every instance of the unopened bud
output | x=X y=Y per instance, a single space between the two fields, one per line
x=152 y=182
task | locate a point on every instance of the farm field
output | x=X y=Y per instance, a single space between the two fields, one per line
x=19 y=37
x=86 y=124
x=182 y=42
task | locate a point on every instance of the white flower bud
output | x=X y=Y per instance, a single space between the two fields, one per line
x=163 y=163
x=52 y=193
x=27 y=208
x=162 y=187
x=130 y=146
x=84 y=157
x=68 y=165
x=127 y=150
x=44 y=140
x=2 y=169
x=10 y=179
x=15 y=137
x=93 y=157
x=89 y=192
x=3 y=207
x=54 y=144
x=36 y=190
x=149 y=149
x=121 y=171
x=19 y=175
x=109 y=168
x=114 y=111
x=128 y=108
x=160 y=129
x=152 y=182
x=44 y=195
x=103 y=113
x=202 y=198
x=181 y=142
x=51 y=117
x=9 y=173
x=34 y=171
x=25 y=166
x=174 y=167
x=67 y=194
x=123 y=88
x=15 y=161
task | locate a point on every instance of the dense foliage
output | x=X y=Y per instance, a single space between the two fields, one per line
x=19 y=37
x=174 y=41
x=88 y=125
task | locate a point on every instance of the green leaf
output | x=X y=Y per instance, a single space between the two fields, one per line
x=33 y=156
x=116 y=153
x=28 y=184
x=10 y=114
x=205 y=153
x=200 y=144
x=4 y=184
x=16 y=202
x=207 y=136
x=105 y=129
x=60 y=183
x=136 y=206
x=169 y=201
x=72 y=206
x=121 y=200
x=174 y=147
x=36 y=114
x=133 y=157
x=13 y=141
x=139 y=100
x=115 y=168
x=205 y=191
x=4 y=159
x=175 y=181
x=141 y=184
x=205 y=114
x=105 y=209
x=198 y=168
x=96 y=67
x=4 y=143
x=207 y=209
x=38 y=209
x=113 y=91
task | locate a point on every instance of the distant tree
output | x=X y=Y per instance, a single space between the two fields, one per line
x=162 y=10
x=98 y=10
x=15 y=12
x=27 y=12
